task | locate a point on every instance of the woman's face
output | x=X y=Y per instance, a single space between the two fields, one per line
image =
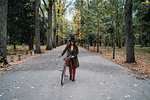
x=72 y=42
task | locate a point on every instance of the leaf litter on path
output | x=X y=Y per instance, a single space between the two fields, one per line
x=127 y=96
x=71 y=96
x=102 y=94
x=77 y=82
x=18 y=87
x=135 y=85
x=1 y=94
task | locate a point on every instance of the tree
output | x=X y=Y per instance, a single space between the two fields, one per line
x=14 y=18
x=130 y=57
x=21 y=22
x=55 y=26
x=49 y=28
x=28 y=23
x=141 y=23
x=37 y=28
x=98 y=37
x=3 y=29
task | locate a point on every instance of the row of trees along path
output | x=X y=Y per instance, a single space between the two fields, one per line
x=30 y=19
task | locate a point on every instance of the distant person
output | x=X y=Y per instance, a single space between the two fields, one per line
x=72 y=50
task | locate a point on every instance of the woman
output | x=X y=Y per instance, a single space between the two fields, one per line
x=72 y=50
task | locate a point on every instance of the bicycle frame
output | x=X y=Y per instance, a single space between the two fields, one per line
x=64 y=69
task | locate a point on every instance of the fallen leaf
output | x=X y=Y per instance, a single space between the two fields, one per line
x=96 y=90
x=101 y=83
x=18 y=87
x=108 y=97
x=63 y=86
x=54 y=84
x=23 y=68
x=102 y=95
x=77 y=82
x=113 y=82
x=71 y=96
x=135 y=85
x=127 y=96
x=32 y=87
x=1 y=95
x=8 y=89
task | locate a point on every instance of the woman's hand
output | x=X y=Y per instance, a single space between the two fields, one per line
x=72 y=56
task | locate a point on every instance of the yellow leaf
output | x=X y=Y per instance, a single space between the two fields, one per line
x=102 y=95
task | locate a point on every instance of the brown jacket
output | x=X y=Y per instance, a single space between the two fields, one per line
x=75 y=53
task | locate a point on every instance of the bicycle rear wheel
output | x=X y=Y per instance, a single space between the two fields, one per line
x=63 y=75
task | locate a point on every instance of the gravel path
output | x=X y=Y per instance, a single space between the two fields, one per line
x=96 y=79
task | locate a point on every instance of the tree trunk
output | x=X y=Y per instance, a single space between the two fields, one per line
x=130 y=57
x=101 y=44
x=101 y=41
x=105 y=42
x=55 y=26
x=37 y=28
x=119 y=40
x=30 y=41
x=94 y=45
x=88 y=44
x=61 y=39
x=30 y=44
x=3 y=30
x=57 y=38
x=84 y=43
x=113 y=42
x=49 y=38
x=15 y=46
x=108 y=44
x=118 y=32
x=98 y=37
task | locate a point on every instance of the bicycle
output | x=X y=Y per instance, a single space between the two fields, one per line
x=64 y=70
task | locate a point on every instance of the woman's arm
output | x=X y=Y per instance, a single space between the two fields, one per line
x=64 y=50
x=77 y=51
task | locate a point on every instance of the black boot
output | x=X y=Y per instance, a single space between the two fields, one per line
x=73 y=79
x=70 y=77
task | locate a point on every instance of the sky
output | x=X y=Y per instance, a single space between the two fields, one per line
x=69 y=15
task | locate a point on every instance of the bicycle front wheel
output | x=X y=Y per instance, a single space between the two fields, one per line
x=63 y=75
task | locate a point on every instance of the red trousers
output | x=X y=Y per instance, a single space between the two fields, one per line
x=72 y=70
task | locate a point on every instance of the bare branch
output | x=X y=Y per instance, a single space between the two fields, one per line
x=43 y=16
x=45 y=5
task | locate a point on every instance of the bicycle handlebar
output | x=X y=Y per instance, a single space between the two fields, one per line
x=67 y=57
